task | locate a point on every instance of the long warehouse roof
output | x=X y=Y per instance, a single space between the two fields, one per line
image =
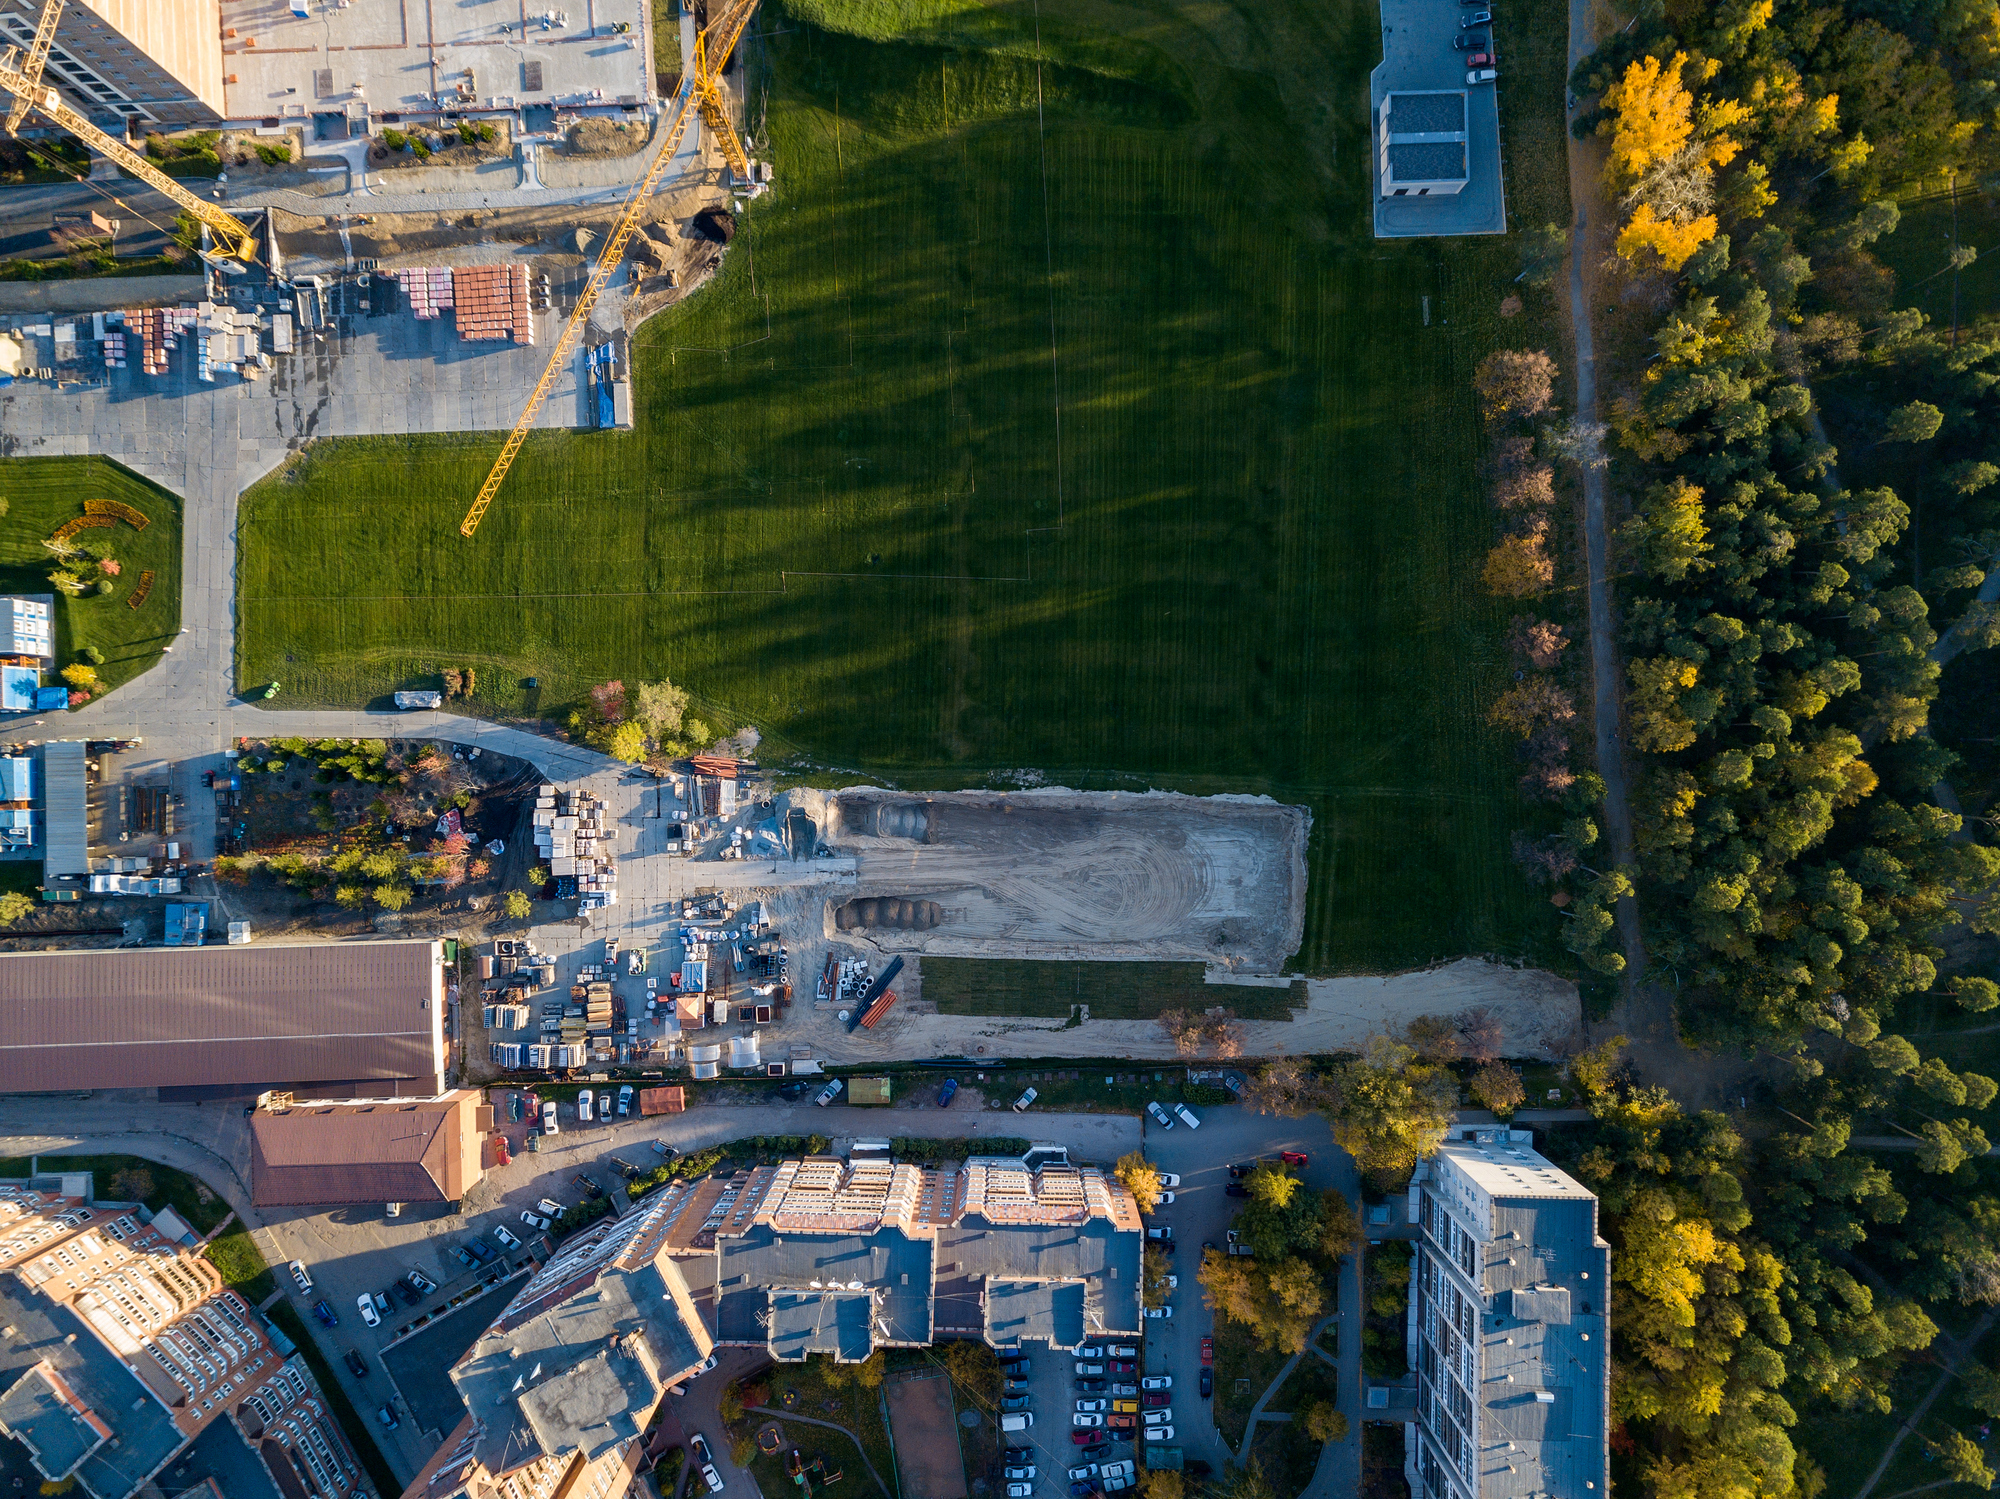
x=220 y=1017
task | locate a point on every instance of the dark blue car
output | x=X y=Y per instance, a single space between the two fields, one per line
x=325 y=1314
x=948 y=1092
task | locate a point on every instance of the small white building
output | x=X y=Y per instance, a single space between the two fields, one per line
x=1421 y=144
x=1509 y=1326
x=27 y=628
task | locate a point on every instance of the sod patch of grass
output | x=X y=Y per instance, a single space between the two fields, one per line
x=131 y=1178
x=242 y=1265
x=1062 y=416
x=43 y=493
x=1114 y=991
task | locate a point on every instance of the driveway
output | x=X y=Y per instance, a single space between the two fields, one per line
x=1202 y=1211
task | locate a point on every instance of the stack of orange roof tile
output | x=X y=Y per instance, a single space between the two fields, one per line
x=492 y=302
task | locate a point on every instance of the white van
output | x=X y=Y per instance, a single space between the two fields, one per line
x=1017 y=1421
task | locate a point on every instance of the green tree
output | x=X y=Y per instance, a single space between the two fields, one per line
x=1916 y=422
x=350 y=897
x=392 y=897
x=1389 y=1111
x=1272 y=1186
x=1962 y=1461
x=627 y=742
x=517 y=905
x=660 y=707
x=1323 y=1422
x=1498 y=1087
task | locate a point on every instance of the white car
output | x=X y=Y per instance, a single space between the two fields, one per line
x=1166 y=1197
x=506 y=1236
x=1168 y=1179
x=1160 y=1418
x=1085 y=1422
x=548 y=1207
x=549 y=1125
x=540 y=1225
x=1159 y=1311
x=1020 y=1490
x=368 y=1313
x=1157 y=1382
x=1186 y=1116
x=1160 y=1116
x=830 y=1092
x=1173 y=1282
x=1086 y=1371
x=624 y=1100
x=1481 y=75
x=712 y=1478
x=305 y=1281
x=1093 y=1405
x=1124 y=1350
x=1083 y=1472
x=1027 y=1474
x=583 y=1102
x=1159 y=1433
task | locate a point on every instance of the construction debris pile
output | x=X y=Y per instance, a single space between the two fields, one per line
x=489 y=301
x=572 y=835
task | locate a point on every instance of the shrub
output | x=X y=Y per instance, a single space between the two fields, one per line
x=274 y=156
x=423 y=152
x=395 y=140
x=92 y=654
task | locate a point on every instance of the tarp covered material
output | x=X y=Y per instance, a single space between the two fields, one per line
x=64 y=799
x=18 y=686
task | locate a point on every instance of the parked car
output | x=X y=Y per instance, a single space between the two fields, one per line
x=1159 y=1433
x=506 y=1236
x=1479 y=59
x=1015 y=1387
x=356 y=1364
x=1022 y=1474
x=1165 y=1197
x=481 y=1250
x=1124 y=1389
x=381 y=1303
x=1083 y=1470
x=1237 y=1172
x=1165 y=1233
x=1020 y=1491
x=549 y=1208
x=1090 y=1386
x=1015 y=1403
x=387 y=1416
x=1090 y=1350
x=1160 y=1116
x=1168 y=1179
x=792 y=1092
x=406 y=1293
x=1014 y=1368
x=549 y=1125
x=1022 y=1103
x=1466 y=39
x=305 y=1281
x=1207 y=1351
x=325 y=1313
x=1017 y=1420
x=1207 y=1383
x=948 y=1092
x=1481 y=75
x=624 y=1100
x=590 y=1187
x=1157 y=1382
x=584 y=1100
x=540 y=1225
x=1186 y=1116
x=830 y=1092
x=423 y=1283
x=700 y=1445
x=1237 y=1189
x=1293 y=1157
x=1125 y=1407
x=1477 y=18
x=1017 y=1454
x=1086 y=1419
x=1157 y=1312
x=1124 y=1350
x=712 y=1478
x=1081 y=1491
x=1123 y=1366
x=464 y=1256
x=1158 y=1400
x=1083 y=1368
x=1093 y=1405
x=1086 y=1438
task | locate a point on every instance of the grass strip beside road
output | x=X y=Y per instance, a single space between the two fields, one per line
x=242 y=1264
x=360 y=1435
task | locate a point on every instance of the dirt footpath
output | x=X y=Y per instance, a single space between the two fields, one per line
x=1065 y=874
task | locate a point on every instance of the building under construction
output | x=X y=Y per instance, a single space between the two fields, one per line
x=153 y=63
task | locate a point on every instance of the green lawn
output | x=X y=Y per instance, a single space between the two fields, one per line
x=1066 y=417
x=1114 y=991
x=41 y=494
x=131 y=1178
x=242 y=1265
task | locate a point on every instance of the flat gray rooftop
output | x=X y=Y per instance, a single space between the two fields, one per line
x=1417 y=57
x=146 y=1434
x=1104 y=1258
x=408 y=57
x=1424 y=114
x=1429 y=161
x=1035 y=1310
x=896 y=1268
x=815 y=1322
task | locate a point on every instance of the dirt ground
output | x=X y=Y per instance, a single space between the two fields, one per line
x=1056 y=873
x=926 y=1437
x=604 y=138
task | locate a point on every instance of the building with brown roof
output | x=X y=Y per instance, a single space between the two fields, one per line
x=331 y=1019
x=373 y=1150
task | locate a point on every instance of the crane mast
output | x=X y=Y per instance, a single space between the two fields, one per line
x=700 y=90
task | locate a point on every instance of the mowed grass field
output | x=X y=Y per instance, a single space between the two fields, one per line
x=43 y=493
x=1058 y=415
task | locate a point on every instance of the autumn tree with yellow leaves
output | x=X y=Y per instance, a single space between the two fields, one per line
x=1664 y=152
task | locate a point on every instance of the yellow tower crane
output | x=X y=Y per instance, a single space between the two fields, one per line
x=22 y=77
x=701 y=90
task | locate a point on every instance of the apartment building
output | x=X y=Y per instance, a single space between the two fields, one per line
x=157 y=1315
x=154 y=63
x=1508 y=1326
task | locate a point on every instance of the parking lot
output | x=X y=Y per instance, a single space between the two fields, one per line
x=1052 y=1396
x=1418 y=57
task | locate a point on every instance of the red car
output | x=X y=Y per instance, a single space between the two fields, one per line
x=1208 y=1350
x=1124 y=1366
x=1479 y=59
x=1085 y=1438
x=1157 y=1399
x=1298 y=1157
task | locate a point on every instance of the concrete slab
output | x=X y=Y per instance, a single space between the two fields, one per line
x=1418 y=56
x=413 y=58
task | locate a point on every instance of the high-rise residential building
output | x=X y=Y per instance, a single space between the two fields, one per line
x=154 y=62
x=156 y=1315
x=1509 y=1327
